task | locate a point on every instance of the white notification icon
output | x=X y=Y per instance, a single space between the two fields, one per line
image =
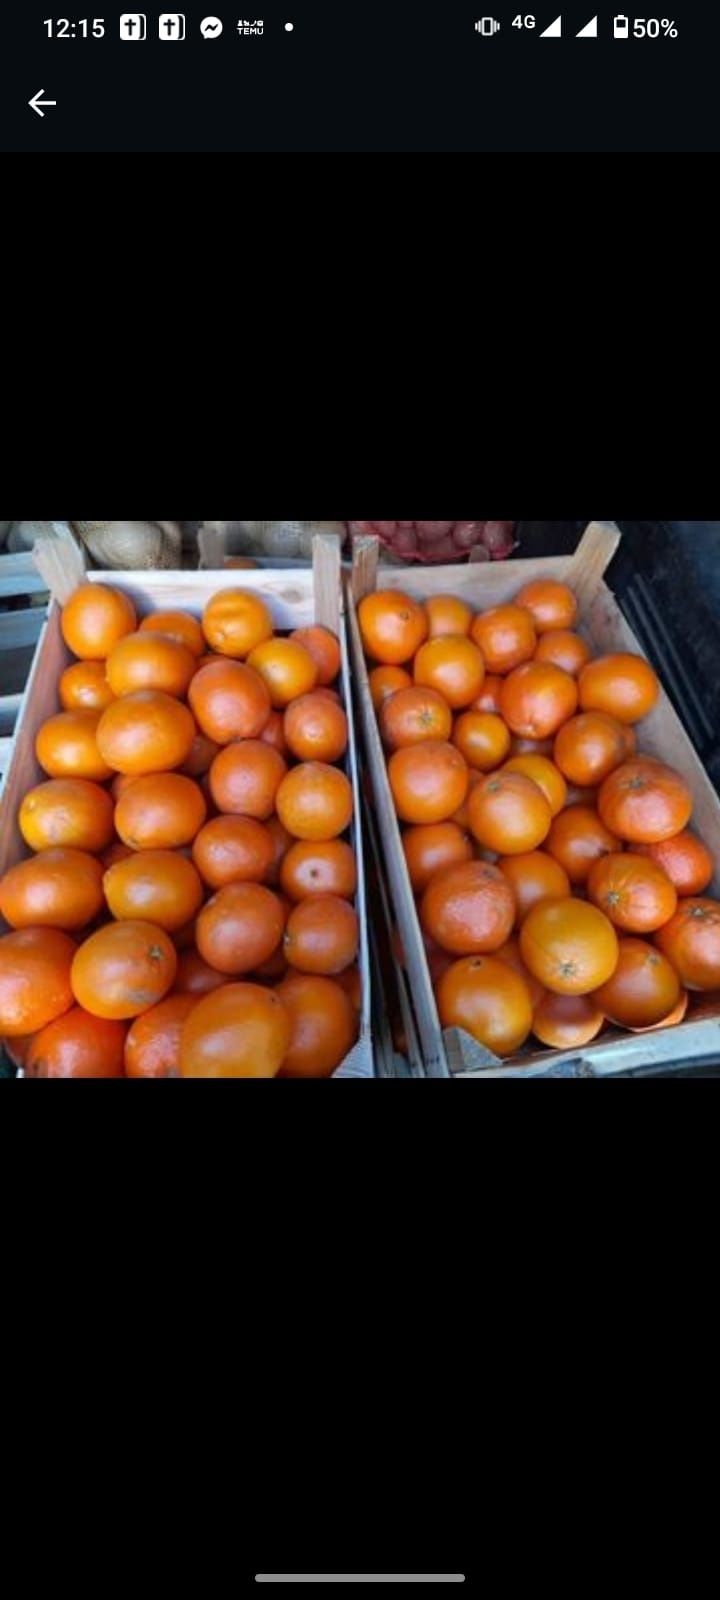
x=211 y=27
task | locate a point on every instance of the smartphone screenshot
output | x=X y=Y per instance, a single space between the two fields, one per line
x=384 y=76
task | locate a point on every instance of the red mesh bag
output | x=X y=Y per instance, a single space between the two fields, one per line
x=442 y=541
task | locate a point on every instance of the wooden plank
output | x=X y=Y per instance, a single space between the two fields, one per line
x=482 y=584
x=60 y=563
x=9 y=707
x=20 y=628
x=41 y=702
x=365 y=558
x=661 y=734
x=5 y=752
x=288 y=594
x=327 y=580
x=19 y=575
x=591 y=560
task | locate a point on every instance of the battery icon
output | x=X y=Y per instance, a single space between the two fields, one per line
x=620 y=27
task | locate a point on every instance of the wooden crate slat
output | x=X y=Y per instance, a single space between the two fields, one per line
x=20 y=628
x=19 y=575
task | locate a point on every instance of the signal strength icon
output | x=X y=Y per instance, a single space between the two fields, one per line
x=554 y=31
x=589 y=31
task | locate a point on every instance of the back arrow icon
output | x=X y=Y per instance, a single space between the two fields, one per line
x=37 y=102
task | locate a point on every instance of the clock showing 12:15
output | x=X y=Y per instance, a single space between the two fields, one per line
x=81 y=28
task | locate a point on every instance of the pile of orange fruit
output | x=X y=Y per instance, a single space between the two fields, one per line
x=187 y=908
x=558 y=885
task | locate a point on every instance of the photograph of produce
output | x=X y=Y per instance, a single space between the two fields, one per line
x=358 y=800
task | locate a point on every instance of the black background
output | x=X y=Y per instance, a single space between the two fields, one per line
x=397 y=76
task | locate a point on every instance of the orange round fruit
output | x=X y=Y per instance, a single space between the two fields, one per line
x=569 y=946
x=644 y=802
x=94 y=619
x=229 y=701
x=577 y=839
x=116 y=852
x=643 y=989
x=67 y=746
x=195 y=976
x=590 y=746
x=240 y=1031
x=433 y=848
x=509 y=814
x=58 y=888
x=545 y=774
x=245 y=778
x=633 y=892
x=482 y=738
x=240 y=928
x=533 y=877
x=287 y=669
x=453 y=666
x=623 y=685
x=350 y=982
x=84 y=687
x=67 y=812
x=462 y=815
x=150 y=661
x=236 y=621
x=510 y=953
x=160 y=813
x=124 y=969
x=323 y=1026
x=152 y=1047
x=567 y=1021
x=489 y=696
x=429 y=781
x=551 y=605
x=178 y=625
x=322 y=935
x=281 y=842
x=385 y=681
x=506 y=636
x=202 y=754
x=392 y=626
x=530 y=747
x=274 y=732
x=563 y=649
x=691 y=941
x=684 y=859
x=34 y=979
x=312 y=869
x=468 y=909
x=315 y=802
x=316 y=729
x=673 y=1018
x=240 y=561
x=414 y=715
x=77 y=1045
x=158 y=886
x=488 y=1000
x=446 y=614
x=233 y=849
x=324 y=647
x=537 y=699
x=145 y=732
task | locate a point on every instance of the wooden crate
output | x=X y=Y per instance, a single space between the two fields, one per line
x=452 y=1052
x=19 y=634
x=295 y=599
